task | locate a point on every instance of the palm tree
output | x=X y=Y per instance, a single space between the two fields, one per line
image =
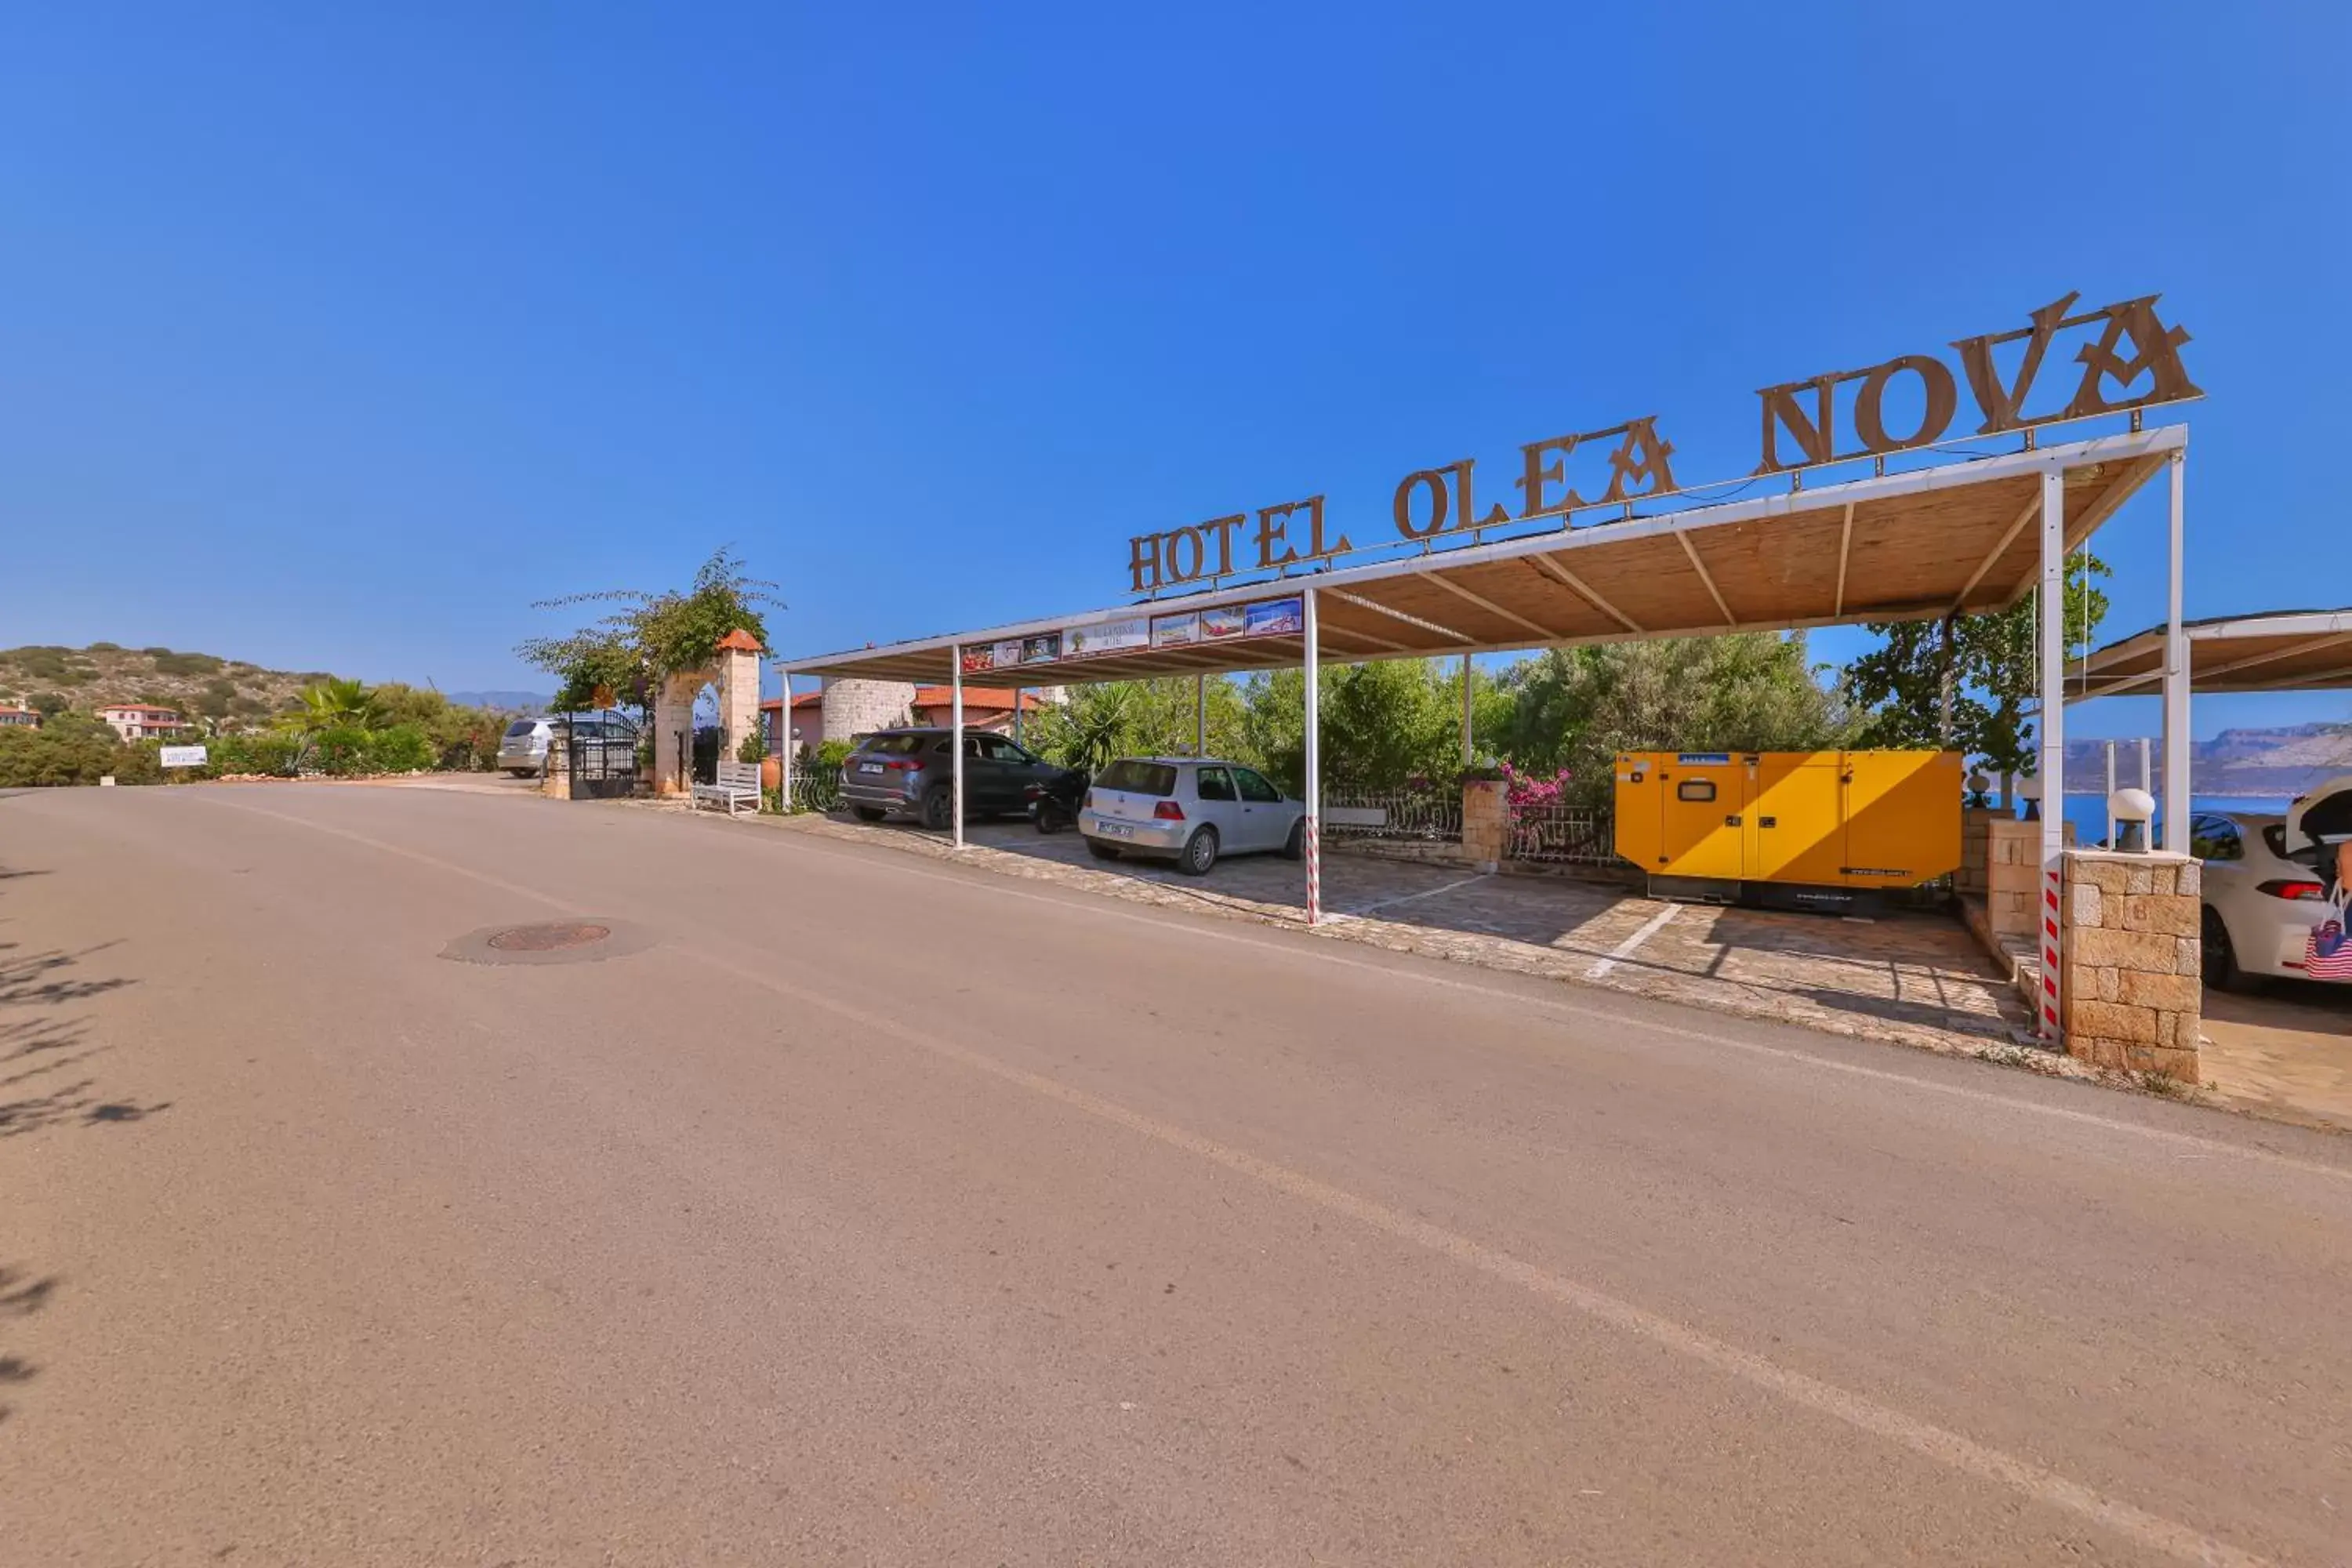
x=340 y=705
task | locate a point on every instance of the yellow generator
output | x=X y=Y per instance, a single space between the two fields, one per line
x=1796 y=829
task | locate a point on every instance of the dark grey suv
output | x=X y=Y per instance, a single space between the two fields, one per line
x=910 y=772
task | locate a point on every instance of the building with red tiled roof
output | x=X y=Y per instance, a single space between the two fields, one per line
x=19 y=718
x=141 y=721
x=808 y=718
x=986 y=708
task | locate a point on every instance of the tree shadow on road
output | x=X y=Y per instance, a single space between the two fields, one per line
x=40 y=1040
x=21 y=1296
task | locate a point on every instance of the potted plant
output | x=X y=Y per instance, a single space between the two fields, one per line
x=754 y=749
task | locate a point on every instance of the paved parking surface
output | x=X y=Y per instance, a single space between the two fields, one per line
x=1915 y=978
x=2288 y=1050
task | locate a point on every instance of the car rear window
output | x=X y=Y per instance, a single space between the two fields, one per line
x=522 y=727
x=1139 y=778
x=895 y=745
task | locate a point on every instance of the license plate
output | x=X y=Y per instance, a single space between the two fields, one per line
x=1114 y=830
x=869 y=767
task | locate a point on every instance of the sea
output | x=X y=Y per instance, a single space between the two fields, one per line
x=2088 y=810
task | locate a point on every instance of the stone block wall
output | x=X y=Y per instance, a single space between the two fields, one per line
x=2132 y=991
x=2000 y=862
x=1486 y=823
x=1976 y=850
x=855 y=707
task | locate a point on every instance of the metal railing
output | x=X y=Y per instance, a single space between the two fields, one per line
x=1402 y=815
x=815 y=789
x=1558 y=835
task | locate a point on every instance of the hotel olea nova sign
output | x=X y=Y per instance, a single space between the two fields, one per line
x=2121 y=346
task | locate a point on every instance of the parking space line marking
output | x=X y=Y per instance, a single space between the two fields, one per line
x=1626 y=949
x=1408 y=898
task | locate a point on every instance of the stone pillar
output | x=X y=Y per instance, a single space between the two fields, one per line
x=673 y=716
x=2131 y=991
x=739 y=691
x=2012 y=873
x=557 y=784
x=1486 y=823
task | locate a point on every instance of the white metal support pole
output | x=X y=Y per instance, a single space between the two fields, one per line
x=2174 y=819
x=1016 y=713
x=784 y=747
x=2145 y=783
x=1314 y=844
x=2111 y=794
x=1200 y=715
x=1466 y=710
x=2051 y=760
x=955 y=741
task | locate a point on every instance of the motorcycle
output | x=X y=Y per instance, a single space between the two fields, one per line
x=1053 y=803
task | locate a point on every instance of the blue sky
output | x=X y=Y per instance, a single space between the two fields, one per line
x=333 y=340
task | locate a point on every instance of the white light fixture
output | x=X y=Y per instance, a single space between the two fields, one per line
x=2029 y=790
x=2132 y=809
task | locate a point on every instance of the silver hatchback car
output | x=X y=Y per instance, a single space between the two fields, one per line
x=1189 y=809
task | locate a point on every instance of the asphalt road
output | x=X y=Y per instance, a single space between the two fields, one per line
x=856 y=1208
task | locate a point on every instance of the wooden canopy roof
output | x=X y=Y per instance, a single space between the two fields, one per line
x=1906 y=546
x=2285 y=650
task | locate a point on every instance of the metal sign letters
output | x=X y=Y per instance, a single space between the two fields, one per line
x=2125 y=345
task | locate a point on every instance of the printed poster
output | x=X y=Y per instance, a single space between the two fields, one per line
x=978 y=660
x=1224 y=621
x=1006 y=654
x=1045 y=648
x=1176 y=631
x=1276 y=618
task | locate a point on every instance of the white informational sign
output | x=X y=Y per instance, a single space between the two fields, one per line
x=1107 y=636
x=185 y=757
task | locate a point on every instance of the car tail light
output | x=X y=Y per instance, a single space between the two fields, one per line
x=1168 y=811
x=2284 y=889
x=900 y=765
x=1090 y=801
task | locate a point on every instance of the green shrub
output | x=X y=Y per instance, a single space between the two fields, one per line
x=403 y=749
x=103 y=647
x=187 y=664
x=272 y=753
x=70 y=753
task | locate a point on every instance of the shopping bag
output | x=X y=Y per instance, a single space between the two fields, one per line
x=2328 y=951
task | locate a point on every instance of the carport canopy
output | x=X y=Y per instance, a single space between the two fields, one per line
x=1957 y=538
x=1961 y=537
x=2281 y=650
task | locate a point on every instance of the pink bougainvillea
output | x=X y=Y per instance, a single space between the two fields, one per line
x=1533 y=789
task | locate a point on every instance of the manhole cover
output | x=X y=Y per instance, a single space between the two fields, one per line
x=552 y=941
x=549 y=938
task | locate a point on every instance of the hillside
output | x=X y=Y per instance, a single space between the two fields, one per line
x=2282 y=762
x=197 y=684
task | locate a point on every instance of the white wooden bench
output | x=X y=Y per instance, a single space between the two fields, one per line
x=737 y=785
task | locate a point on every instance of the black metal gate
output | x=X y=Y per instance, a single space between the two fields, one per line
x=604 y=766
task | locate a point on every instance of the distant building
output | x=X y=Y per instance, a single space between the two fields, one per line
x=847 y=709
x=141 y=721
x=808 y=720
x=22 y=718
x=984 y=707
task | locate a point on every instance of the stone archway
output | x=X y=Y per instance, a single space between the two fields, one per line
x=735 y=671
